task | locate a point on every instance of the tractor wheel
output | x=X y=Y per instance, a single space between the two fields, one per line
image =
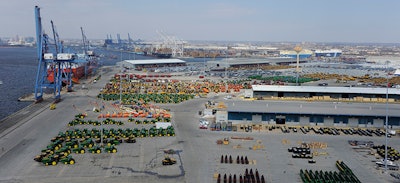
x=65 y=162
x=76 y=146
x=98 y=151
x=82 y=151
x=54 y=163
x=108 y=151
x=47 y=164
x=56 y=148
x=90 y=145
x=114 y=150
x=168 y=135
x=108 y=144
x=71 y=162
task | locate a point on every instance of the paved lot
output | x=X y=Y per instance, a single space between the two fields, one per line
x=198 y=156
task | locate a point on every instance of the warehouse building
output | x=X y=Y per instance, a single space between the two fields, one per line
x=318 y=106
x=358 y=94
x=313 y=113
x=151 y=63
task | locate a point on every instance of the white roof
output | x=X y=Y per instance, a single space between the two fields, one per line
x=155 y=61
x=325 y=89
x=313 y=108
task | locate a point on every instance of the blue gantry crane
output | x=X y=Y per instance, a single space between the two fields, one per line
x=54 y=66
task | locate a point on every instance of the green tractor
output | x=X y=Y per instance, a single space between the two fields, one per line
x=170 y=131
x=136 y=132
x=87 y=143
x=79 y=150
x=64 y=151
x=55 y=145
x=71 y=143
x=110 y=149
x=95 y=149
x=50 y=160
x=39 y=157
x=153 y=132
x=112 y=142
x=162 y=132
x=143 y=132
x=67 y=160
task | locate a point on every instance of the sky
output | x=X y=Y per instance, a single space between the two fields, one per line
x=354 y=21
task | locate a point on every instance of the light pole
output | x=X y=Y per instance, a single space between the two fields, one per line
x=204 y=62
x=297 y=49
x=387 y=114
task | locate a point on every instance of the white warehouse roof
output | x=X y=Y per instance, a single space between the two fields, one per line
x=325 y=89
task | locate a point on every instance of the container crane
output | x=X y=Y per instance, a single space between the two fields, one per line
x=63 y=72
x=51 y=61
x=89 y=55
x=119 y=40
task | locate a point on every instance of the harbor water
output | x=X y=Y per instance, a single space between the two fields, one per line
x=18 y=68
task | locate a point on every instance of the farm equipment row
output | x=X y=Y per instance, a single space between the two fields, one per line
x=80 y=141
x=153 y=97
x=108 y=121
x=345 y=174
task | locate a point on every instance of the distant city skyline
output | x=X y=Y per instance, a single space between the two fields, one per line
x=352 y=21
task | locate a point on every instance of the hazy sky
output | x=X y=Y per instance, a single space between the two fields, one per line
x=236 y=20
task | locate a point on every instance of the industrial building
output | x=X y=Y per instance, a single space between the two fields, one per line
x=357 y=94
x=249 y=62
x=312 y=113
x=151 y=63
x=320 y=106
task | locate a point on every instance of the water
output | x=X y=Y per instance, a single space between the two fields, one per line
x=17 y=72
x=18 y=68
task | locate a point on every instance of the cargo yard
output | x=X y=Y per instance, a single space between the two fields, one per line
x=321 y=107
x=271 y=153
x=260 y=119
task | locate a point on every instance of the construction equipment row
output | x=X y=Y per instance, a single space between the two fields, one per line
x=247 y=177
